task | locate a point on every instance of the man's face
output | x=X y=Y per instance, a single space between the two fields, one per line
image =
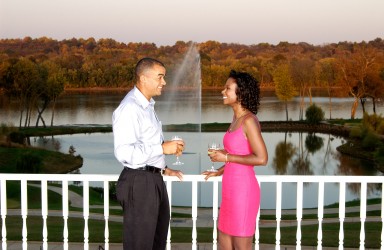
x=153 y=81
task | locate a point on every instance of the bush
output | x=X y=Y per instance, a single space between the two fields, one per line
x=29 y=163
x=379 y=155
x=370 y=141
x=380 y=128
x=374 y=122
x=314 y=114
x=356 y=132
x=17 y=137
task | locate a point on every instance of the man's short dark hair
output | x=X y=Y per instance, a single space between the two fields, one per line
x=145 y=64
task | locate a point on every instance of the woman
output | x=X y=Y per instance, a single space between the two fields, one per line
x=244 y=148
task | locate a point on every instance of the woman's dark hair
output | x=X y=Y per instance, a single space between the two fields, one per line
x=247 y=91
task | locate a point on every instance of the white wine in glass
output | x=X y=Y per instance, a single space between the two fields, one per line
x=213 y=146
x=177 y=162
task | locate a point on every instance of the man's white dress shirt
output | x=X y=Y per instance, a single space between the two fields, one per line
x=137 y=132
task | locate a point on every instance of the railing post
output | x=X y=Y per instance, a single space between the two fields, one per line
x=215 y=210
x=341 y=214
x=194 y=214
x=257 y=233
x=363 y=213
x=3 y=213
x=299 y=213
x=24 y=211
x=278 y=213
x=65 y=213
x=320 y=214
x=44 y=212
x=382 y=217
x=106 y=214
x=86 y=213
x=169 y=191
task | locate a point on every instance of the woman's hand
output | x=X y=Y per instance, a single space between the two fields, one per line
x=217 y=155
x=209 y=174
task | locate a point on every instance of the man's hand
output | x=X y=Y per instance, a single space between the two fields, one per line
x=173 y=147
x=171 y=172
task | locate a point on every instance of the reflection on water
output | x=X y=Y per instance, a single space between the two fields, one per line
x=289 y=154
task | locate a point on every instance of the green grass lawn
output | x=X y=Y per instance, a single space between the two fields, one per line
x=184 y=235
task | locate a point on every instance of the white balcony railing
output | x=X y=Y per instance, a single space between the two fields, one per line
x=85 y=179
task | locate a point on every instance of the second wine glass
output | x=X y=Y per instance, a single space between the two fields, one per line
x=211 y=147
x=177 y=162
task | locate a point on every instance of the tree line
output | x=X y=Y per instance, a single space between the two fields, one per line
x=37 y=71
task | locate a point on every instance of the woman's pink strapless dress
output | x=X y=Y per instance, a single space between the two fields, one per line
x=240 y=190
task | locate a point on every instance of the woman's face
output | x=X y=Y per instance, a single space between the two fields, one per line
x=229 y=92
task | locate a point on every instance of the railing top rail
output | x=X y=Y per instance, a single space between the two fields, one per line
x=198 y=178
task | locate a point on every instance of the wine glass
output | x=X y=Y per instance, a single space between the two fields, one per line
x=177 y=162
x=213 y=146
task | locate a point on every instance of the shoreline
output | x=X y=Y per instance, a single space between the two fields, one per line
x=265 y=87
x=18 y=138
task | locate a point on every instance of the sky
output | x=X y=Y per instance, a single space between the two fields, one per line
x=164 y=22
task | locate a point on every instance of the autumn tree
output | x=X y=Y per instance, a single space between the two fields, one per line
x=25 y=84
x=53 y=87
x=303 y=73
x=354 y=66
x=327 y=77
x=284 y=87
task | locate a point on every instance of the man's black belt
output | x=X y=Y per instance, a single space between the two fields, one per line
x=151 y=169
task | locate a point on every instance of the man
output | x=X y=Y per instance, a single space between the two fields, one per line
x=139 y=145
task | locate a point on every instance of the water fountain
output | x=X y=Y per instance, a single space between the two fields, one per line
x=184 y=89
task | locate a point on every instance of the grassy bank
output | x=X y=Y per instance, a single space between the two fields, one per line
x=52 y=162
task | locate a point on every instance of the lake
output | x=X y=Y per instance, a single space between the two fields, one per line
x=312 y=154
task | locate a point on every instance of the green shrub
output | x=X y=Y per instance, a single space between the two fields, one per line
x=380 y=128
x=17 y=137
x=370 y=141
x=29 y=163
x=379 y=155
x=314 y=114
x=356 y=132
x=6 y=129
x=373 y=122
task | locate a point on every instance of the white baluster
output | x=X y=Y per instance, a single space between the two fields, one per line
x=3 y=213
x=194 y=214
x=169 y=191
x=299 y=213
x=44 y=212
x=215 y=211
x=278 y=213
x=86 y=213
x=382 y=217
x=106 y=214
x=24 y=211
x=257 y=232
x=65 y=213
x=320 y=215
x=363 y=213
x=341 y=214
